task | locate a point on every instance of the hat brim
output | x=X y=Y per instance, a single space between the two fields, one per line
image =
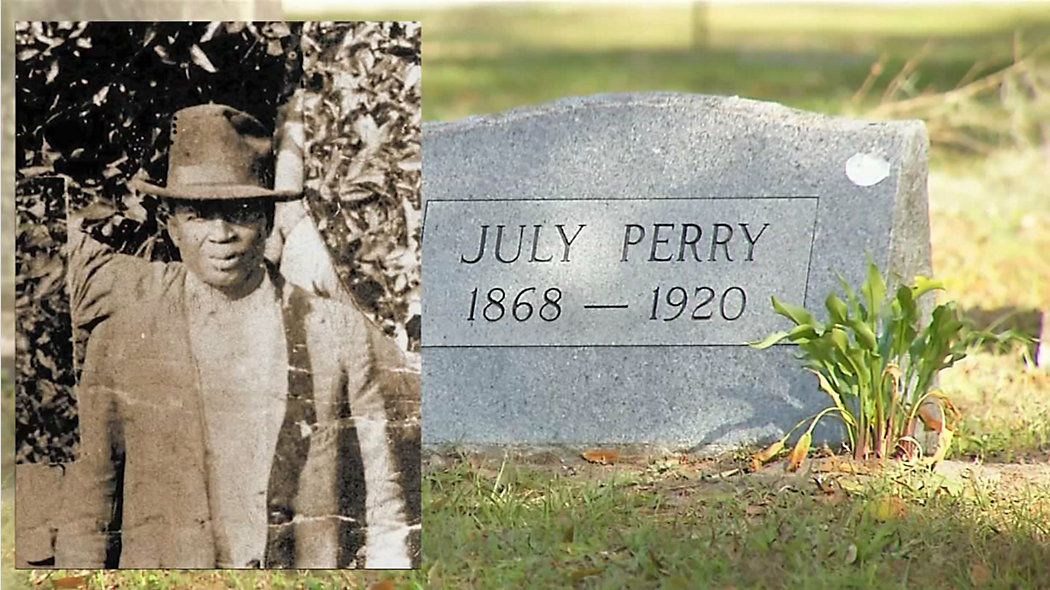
x=214 y=192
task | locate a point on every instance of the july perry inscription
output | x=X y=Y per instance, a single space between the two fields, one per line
x=612 y=272
x=633 y=235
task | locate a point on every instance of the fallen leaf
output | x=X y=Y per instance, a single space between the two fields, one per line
x=852 y=485
x=944 y=441
x=69 y=582
x=725 y=474
x=585 y=572
x=387 y=584
x=52 y=71
x=798 y=454
x=210 y=31
x=838 y=465
x=754 y=510
x=851 y=553
x=766 y=454
x=890 y=508
x=833 y=498
x=368 y=131
x=825 y=484
x=980 y=574
x=601 y=456
x=932 y=416
x=276 y=29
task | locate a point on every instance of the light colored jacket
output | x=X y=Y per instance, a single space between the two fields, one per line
x=344 y=489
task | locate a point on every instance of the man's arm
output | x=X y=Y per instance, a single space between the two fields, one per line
x=102 y=281
x=387 y=420
x=90 y=485
x=304 y=259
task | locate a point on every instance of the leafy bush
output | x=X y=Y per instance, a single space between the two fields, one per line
x=45 y=411
x=361 y=107
x=878 y=367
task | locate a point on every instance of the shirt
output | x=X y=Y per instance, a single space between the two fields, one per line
x=239 y=350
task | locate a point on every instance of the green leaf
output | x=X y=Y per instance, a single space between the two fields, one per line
x=819 y=353
x=862 y=361
x=874 y=289
x=799 y=315
x=924 y=285
x=836 y=397
x=768 y=341
x=840 y=339
x=906 y=299
x=865 y=336
x=851 y=295
x=802 y=333
x=837 y=310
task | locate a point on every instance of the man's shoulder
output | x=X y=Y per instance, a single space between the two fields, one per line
x=160 y=302
x=121 y=339
x=148 y=314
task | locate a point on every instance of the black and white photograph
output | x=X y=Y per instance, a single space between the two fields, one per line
x=217 y=295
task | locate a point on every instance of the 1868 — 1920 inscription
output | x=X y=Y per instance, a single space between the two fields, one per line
x=614 y=272
x=593 y=268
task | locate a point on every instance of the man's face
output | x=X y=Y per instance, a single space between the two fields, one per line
x=220 y=241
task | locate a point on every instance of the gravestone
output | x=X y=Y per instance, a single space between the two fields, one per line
x=595 y=268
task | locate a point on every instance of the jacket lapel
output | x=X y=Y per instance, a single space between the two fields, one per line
x=163 y=397
x=293 y=440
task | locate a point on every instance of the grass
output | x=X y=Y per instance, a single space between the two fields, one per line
x=1005 y=402
x=663 y=524
x=639 y=527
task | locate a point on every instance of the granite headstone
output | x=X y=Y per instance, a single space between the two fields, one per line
x=594 y=268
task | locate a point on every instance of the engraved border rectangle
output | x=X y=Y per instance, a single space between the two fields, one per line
x=805 y=297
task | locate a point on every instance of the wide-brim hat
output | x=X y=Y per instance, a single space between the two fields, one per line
x=217 y=153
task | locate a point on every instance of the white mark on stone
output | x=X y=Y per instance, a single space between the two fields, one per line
x=867 y=169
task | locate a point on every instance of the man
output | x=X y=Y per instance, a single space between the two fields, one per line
x=227 y=417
